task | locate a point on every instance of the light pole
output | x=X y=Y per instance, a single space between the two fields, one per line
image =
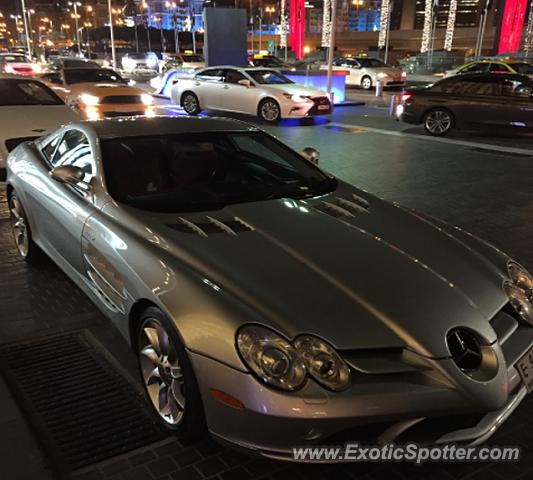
x=24 y=17
x=87 y=26
x=76 y=17
x=112 y=34
x=331 y=50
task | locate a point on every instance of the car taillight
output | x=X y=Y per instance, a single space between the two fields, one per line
x=406 y=97
x=9 y=69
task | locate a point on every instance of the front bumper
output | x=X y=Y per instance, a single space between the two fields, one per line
x=398 y=409
x=312 y=107
x=98 y=112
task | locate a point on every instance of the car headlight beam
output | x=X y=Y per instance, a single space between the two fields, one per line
x=520 y=291
x=89 y=100
x=271 y=357
x=323 y=363
x=147 y=99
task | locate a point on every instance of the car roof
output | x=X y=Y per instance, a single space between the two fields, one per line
x=163 y=125
x=12 y=76
x=515 y=76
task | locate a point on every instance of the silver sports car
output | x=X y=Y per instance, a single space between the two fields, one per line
x=269 y=301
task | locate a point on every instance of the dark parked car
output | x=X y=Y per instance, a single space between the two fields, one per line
x=470 y=101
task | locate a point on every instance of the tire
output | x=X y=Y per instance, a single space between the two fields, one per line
x=366 y=82
x=269 y=110
x=190 y=103
x=438 y=121
x=22 y=235
x=168 y=377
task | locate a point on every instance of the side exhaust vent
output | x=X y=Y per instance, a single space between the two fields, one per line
x=206 y=226
x=342 y=207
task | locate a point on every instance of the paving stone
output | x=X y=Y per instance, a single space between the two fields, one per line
x=161 y=466
x=116 y=467
x=188 y=473
x=187 y=457
x=238 y=473
x=211 y=466
x=142 y=458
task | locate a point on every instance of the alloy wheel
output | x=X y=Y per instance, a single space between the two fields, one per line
x=366 y=83
x=190 y=104
x=19 y=227
x=438 y=122
x=162 y=373
x=270 y=111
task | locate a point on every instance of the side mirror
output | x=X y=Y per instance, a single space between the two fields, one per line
x=311 y=154
x=245 y=83
x=70 y=175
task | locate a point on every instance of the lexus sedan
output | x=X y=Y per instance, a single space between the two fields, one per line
x=470 y=101
x=268 y=300
x=28 y=110
x=263 y=92
x=18 y=63
x=99 y=93
x=366 y=72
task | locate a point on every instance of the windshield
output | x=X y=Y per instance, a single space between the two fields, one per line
x=92 y=75
x=192 y=58
x=371 y=63
x=15 y=58
x=524 y=68
x=26 y=92
x=268 y=77
x=206 y=171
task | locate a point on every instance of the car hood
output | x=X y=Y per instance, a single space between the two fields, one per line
x=103 y=89
x=349 y=267
x=44 y=119
x=294 y=89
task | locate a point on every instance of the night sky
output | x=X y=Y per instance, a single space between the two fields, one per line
x=9 y=6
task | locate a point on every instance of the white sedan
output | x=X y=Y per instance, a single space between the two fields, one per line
x=28 y=110
x=365 y=72
x=254 y=91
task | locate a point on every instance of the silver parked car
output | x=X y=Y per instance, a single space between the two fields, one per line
x=269 y=300
x=366 y=72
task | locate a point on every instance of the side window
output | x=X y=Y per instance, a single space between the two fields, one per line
x=233 y=76
x=214 y=75
x=498 y=68
x=249 y=145
x=75 y=150
x=476 y=68
x=516 y=88
x=49 y=149
x=54 y=77
x=472 y=86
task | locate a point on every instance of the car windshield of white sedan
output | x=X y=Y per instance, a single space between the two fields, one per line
x=15 y=58
x=371 y=63
x=206 y=171
x=26 y=92
x=268 y=77
x=92 y=75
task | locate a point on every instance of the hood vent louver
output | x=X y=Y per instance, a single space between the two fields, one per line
x=206 y=226
x=341 y=207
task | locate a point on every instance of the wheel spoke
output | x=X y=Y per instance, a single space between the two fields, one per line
x=163 y=341
x=175 y=410
x=150 y=353
x=177 y=393
x=153 y=338
x=163 y=403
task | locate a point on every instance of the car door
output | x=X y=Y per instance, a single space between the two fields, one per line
x=208 y=86
x=473 y=100
x=516 y=106
x=237 y=97
x=61 y=210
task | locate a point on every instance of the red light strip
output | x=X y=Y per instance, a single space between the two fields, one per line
x=297 y=27
x=512 y=24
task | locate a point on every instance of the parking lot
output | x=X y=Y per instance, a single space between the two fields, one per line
x=479 y=181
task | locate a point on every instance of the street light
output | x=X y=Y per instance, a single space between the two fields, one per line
x=24 y=17
x=112 y=34
x=76 y=17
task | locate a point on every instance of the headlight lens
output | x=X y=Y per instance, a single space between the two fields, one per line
x=147 y=99
x=295 y=98
x=382 y=75
x=89 y=100
x=323 y=363
x=520 y=291
x=271 y=357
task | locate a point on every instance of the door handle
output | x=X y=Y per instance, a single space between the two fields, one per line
x=226 y=87
x=197 y=84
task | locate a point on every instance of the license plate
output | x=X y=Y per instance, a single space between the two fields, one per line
x=323 y=107
x=525 y=369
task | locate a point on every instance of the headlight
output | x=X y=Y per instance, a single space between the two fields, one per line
x=271 y=357
x=404 y=74
x=295 y=98
x=382 y=75
x=323 y=363
x=520 y=291
x=36 y=68
x=147 y=99
x=89 y=100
